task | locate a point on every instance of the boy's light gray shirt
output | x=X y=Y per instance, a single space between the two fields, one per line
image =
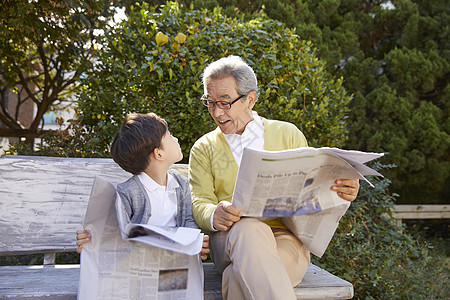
x=136 y=203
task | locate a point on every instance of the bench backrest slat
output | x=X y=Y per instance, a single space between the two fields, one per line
x=43 y=200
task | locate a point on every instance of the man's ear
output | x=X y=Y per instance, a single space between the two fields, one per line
x=251 y=97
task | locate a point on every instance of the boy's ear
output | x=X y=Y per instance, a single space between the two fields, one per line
x=157 y=154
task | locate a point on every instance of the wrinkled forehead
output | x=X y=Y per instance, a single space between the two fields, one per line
x=222 y=87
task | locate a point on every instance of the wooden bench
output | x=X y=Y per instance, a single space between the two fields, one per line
x=43 y=203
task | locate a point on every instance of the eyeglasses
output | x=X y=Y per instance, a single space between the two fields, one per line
x=220 y=104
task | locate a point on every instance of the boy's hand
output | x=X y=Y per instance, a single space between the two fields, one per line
x=137 y=231
x=83 y=237
x=205 y=247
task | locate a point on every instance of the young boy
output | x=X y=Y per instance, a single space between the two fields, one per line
x=153 y=195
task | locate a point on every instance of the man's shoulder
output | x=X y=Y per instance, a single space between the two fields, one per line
x=278 y=125
x=281 y=135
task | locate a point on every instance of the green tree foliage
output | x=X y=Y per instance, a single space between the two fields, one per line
x=398 y=54
x=406 y=105
x=46 y=45
x=154 y=60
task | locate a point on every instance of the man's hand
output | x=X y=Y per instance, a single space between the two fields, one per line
x=205 y=247
x=347 y=189
x=83 y=237
x=225 y=216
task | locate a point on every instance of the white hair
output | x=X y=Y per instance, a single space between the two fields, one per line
x=234 y=66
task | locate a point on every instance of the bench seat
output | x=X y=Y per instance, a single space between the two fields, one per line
x=61 y=282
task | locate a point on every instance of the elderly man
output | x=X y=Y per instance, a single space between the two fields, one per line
x=258 y=260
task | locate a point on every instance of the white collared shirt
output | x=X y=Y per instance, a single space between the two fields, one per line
x=163 y=200
x=252 y=137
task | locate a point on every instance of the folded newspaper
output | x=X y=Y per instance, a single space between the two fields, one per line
x=179 y=239
x=156 y=266
x=295 y=185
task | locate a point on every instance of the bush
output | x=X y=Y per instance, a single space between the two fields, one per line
x=154 y=60
x=73 y=141
x=369 y=250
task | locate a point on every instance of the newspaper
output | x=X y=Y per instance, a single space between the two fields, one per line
x=179 y=239
x=295 y=185
x=116 y=268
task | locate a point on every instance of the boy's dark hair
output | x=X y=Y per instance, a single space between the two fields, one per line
x=136 y=139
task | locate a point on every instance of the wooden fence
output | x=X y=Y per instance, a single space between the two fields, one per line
x=414 y=211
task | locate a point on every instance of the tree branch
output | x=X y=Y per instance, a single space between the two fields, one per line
x=24 y=82
x=5 y=115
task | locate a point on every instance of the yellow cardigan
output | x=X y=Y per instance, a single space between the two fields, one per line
x=213 y=169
